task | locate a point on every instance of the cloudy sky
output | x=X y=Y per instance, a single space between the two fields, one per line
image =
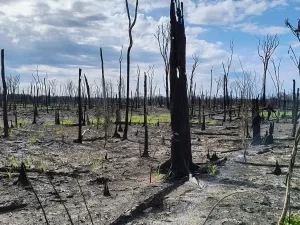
x=61 y=36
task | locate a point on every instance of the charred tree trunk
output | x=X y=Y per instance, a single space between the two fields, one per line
x=79 y=140
x=88 y=92
x=256 y=119
x=131 y=25
x=146 y=152
x=296 y=106
x=4 y=96
x=181 y=155
x=294 y=102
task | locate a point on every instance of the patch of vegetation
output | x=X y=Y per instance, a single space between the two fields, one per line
x=212 y=170
x=67 y=122
x=212 y=123
x=23 y=123
x=293 y=219
x=43 y=165
x=14 y=163
x=10 y=174
x=97 y=163
x=28 y=164
x=158 y=177
x=33 y=140
x=49 y=124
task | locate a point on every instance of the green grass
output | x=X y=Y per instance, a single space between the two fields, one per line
x=33 y=140
x=293 y=220
x=212 y=170
x=273 y=116
x=151 y=120
x=67 y=122
x=23 y=123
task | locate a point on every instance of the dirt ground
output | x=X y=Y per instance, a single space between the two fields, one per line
x=258 y=198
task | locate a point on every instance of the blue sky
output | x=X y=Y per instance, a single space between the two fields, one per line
x=62 y=35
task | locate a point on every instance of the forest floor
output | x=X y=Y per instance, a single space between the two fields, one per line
x=257 y=194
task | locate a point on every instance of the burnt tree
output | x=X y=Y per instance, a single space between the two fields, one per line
x=4 y=96
x=88 y=92
x=146 y=152
x=130 y=27
x=181 y=155
x=79 y=140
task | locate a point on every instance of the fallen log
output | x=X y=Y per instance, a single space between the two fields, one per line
x=152 y=201
x=264 y=165
x=11 y=207
x=40 y=171
x=217 y=134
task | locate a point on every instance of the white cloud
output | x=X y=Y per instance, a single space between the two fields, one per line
x=253 y=28
x=214 y=12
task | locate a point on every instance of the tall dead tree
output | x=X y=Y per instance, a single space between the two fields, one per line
x=163 y=38
x=181 y=155
x=130 y=27
x=120 y=78
x=137 y=105
x=276 y=79
x=265 y=50
x=146 y=152
x=105 y=104
x=4 y=96
x=88 y=92
x=79 y=140
x=210 y=91
x=195 y=65
x=225 y=81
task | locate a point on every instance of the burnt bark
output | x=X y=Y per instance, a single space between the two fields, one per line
x=181 y=155
x=88 y=92
x=4 y=96
x=146 y=152
x=79 y=140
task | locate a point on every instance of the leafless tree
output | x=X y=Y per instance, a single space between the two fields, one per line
x=137 y=90
x=196 y=63
x=150 y=74
x=163 y=38
x=130 y=27
x=265 y=49
x=276 y=79
x=218 y=81
x=225 y=80
x=294 y=58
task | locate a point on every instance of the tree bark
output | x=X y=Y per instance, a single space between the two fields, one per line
x=145 y=153
x=181 y=155
x=4 y=96
x=131 y=25
x=79 y=109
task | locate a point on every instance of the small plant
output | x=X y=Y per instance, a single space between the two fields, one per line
x=67 y=122
x=28 y=164
x=97 y=163
x=10 y=131
x=212 y=123
x=293 y=219
x=10 y=174
x=22 y=123
x=43 y=165
x=33 y=140
x=14 y=164
x=42 y=135
x=58 y=132
x=212 y=170
x=158 y=176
